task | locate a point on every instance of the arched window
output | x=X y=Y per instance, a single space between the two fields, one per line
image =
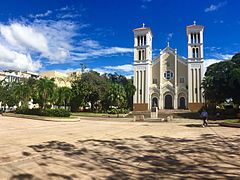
x=197 y=53
x=139 y=55
x=191 y=38
x=195 y=38
x=198 y=37
x=193 y=52
x=138 y=38
x=143 y=55
x=145 y=40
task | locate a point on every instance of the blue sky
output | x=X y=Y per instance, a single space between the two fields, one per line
x=40 y=35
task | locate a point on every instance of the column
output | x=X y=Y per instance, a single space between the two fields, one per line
x=160 y=83
x=138 y=82
x=161 y=101
x=176 y=82
x=135 y=84
x=144 y=86
x=140 y=87
x=189 y=84
x=198 y=85
x=193 y=86
x=200 y=89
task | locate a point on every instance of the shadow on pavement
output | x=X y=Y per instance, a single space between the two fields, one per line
x=146 y=157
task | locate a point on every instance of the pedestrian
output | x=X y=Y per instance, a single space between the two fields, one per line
x=204 y=116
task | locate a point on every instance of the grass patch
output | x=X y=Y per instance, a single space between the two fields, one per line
x=232 y=121
x=92 y=114
x=37 y=117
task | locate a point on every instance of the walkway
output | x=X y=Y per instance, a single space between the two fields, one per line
x=87 y=149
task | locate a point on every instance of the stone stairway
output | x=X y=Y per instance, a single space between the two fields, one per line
x=165 y=113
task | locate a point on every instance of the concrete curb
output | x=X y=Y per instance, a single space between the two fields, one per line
x=41 y=118
x=235 y=125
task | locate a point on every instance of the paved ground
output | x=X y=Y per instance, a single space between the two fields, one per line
x=31 y=149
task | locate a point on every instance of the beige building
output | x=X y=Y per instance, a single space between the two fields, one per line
x=169 y=81
x=61 y=79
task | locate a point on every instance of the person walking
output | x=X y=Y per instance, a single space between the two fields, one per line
x=204 y=115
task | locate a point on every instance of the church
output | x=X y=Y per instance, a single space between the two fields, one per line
x=168 y=81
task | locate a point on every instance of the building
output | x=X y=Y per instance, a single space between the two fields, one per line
x=169 y=81
x=61 y=79
x=15 y=76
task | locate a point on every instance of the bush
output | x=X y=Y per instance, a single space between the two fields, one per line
x=44 y=112
x=117 y=111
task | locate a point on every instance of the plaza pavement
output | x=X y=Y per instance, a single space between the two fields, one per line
x=92 y=149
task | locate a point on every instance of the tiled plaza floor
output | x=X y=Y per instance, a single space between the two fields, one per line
x=31 y=149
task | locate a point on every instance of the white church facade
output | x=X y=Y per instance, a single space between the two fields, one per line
x=169 y=81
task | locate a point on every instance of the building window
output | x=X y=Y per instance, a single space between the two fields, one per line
x=181 y=79
x=193 y=52
x=195 y=38
x=145 y=40
x=138 y=38
x=168 y=75
x=154 y=81
x=143 y=55
x=139 y=55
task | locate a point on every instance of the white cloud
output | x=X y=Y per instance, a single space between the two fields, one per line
x=14 y=60
x=169 y=36
x=53 y=41
x=144 y=3
x=90 y=43
x=126 y=68
x=214 y=7
x=222 y=56
x=21 y=35
x=47 y=13
x=106 y=51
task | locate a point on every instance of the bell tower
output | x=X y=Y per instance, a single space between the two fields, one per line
x=195 y=66
x=142 y=67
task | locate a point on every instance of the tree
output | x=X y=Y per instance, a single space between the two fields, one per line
x=91 y=88
x=22 y=91
x=117 y=96
x=45 y=91
x=128 y=87
x=63 y=96
x=236 y=58
x=222 y=81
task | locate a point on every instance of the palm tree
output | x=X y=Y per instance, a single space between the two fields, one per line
x=21 y=91
x=63 y=96
x=45 y=91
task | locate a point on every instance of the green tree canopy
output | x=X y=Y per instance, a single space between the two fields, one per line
x=222 y=81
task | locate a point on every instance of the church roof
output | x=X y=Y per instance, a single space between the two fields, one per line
x=194 y=26
x=143 y=28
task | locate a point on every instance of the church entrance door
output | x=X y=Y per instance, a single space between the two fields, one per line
x=182 y=103
x=154 y=102
x=168 y=102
